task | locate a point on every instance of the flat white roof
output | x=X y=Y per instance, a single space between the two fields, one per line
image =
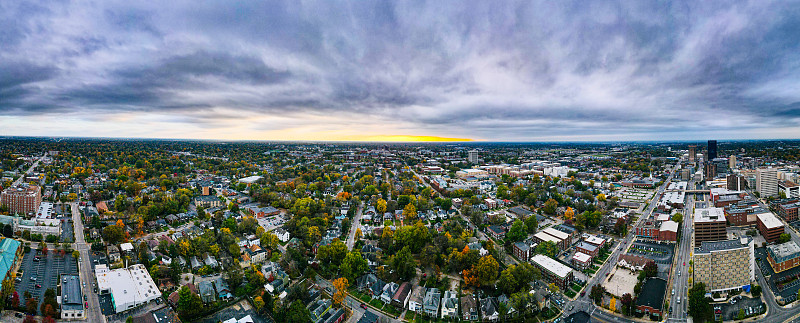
x=770 y=220
x=551 y=265
x=546 y=237
x=711 y=214
x=250 y=179
x=595 y=240
x=558 y=234
x=582 y=257
x=129 y=286
x=126 y=247
x=669 y=226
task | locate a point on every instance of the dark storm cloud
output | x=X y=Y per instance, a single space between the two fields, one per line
x=501 y=69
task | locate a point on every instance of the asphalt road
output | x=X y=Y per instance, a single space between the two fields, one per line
x=36 y=163
x=351 y=238
x=680 y=283
x=93 y=313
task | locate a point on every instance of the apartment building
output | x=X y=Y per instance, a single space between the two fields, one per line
x=724 y=265
x=553 y=271
x=767 y=181
x=21 y=199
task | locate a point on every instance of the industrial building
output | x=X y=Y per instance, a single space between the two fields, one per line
x=129 y=287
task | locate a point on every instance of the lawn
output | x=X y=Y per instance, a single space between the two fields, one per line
x=377 y=303
x=576 y=288
x=570 y=293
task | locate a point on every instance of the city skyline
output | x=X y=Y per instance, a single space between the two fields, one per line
x=395 y=71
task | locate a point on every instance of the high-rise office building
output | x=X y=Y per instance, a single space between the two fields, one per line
x=472 y=156
x=712 y=150
x=732 y=162
x=709 y=225
x=767 y=182
x=692 y=153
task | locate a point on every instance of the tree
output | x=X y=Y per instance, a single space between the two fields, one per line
x=677 y=217
x=15 y=300
x=29 y=318
x=553 y=288
x=517 y=231
x=612 y=305
x=340 y=284
x=784 y=237
x=531 y=224
x=596 y=293
x=403 y=264
x=269 y=240
x=650 y=269
x=353 y=266
x=699 y=304
x=333 y=253
x=569 y=213
x=547 y=248
x=189 y=303
x=601 y=197
x=755 y=290
x=550 y=207
x=258 y=302
x=358 y=234
x=410 y=212
x=507 y=282
x=469 y=278
x=381 y=206
x=627 y=304
x=486 y=269
x=297 y=313
x=76 y=254
x=30 y=305
x=113 y=234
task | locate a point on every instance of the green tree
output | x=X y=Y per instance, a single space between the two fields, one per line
x=333 y=253
x=517 y=231
x=547 y=248
x=189 y=303
x=531 y=224
x=113 y=234
x=699 y=304
x=353 y=266
x=550 y=207
x=677 y=217
x=297 y=313
x=756 y=291
x=403 y=264
x=507 y=282
x=784 y=237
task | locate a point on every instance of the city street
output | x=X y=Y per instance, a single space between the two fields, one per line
x=680 y=283
x=351 y=238
x=93 y=313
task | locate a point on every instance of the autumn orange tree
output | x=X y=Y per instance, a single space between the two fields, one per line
x=340 y=284
x=469 y=278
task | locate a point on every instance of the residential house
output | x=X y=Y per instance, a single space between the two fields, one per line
x=211 y=261
x=256 y=254
x=400 y=298
x=377 y=289
x=496 y=232
x=282 y=234
x=207 y=293
x=196 y=264
x=489 y=309
x=113 y=253
x=430 y=304
x=388 y=292
x=469 y=308
x=416 y=299
x=223 y=291
x=366 y=281
x=449 y=305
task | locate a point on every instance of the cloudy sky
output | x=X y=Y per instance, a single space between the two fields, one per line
x=383 y=70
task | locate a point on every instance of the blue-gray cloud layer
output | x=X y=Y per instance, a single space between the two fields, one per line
x=488 y=69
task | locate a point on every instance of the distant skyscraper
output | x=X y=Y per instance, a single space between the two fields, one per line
x=692 y=153
x=767 y=182
x=473 y=156
x=712 y=149
x=732 y=163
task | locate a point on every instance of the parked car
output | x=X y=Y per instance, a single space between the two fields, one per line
x=38 y=286
x=364 y=306
x=86 y=304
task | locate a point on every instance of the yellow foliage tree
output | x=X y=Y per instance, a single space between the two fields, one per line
x=410 y=212
x=613 y=304
x=358 y=233
x=381 y=206
x=569 y=213
x=341 y=285
x=601 y=197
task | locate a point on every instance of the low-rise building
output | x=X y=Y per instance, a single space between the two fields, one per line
x=553 y=271
x=449 y=305
x=581 y=260
x=129 y=287
x=587 y=248
x=783 y=256
x=651 y=299
x=770 y=226
x=469 y=308
x=633 y=262
x=430 y=304
x=72 y=307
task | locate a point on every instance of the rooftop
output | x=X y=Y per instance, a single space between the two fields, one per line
x=784 y=251
x=770 y=220
x=552 y=265
x=652 y=294
x=709 y=215
x=556 y=233
x=71 y=298
x=669 y=226
x=712 y=246
x=582 y=257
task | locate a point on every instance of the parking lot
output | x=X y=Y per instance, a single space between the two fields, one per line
x=44 y=273
x=790 y=290
x=660 y=253
x=749 y=305
x=106 y=306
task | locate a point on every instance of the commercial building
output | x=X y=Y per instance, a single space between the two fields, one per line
x=472 y=156
x=783 y=256
x=668 y=231
x=9 y=249
x=651 y=299
x=790 y=189
x=787 y=208
x=732 y=162
x=736 y=182
x=633 y=262
x=709 y=225
x=767 y=182
x=712 y=150
x=692 y=153
x=21 y=199
x=553 y=271
x=129 y=287
x=769 y=226
x=724 y=265
x=71 y=298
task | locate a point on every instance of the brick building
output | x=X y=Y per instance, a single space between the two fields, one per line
x=783 y=256
x=769 y=226
x=21 y=199
x=709 y=225
x=553 y=271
